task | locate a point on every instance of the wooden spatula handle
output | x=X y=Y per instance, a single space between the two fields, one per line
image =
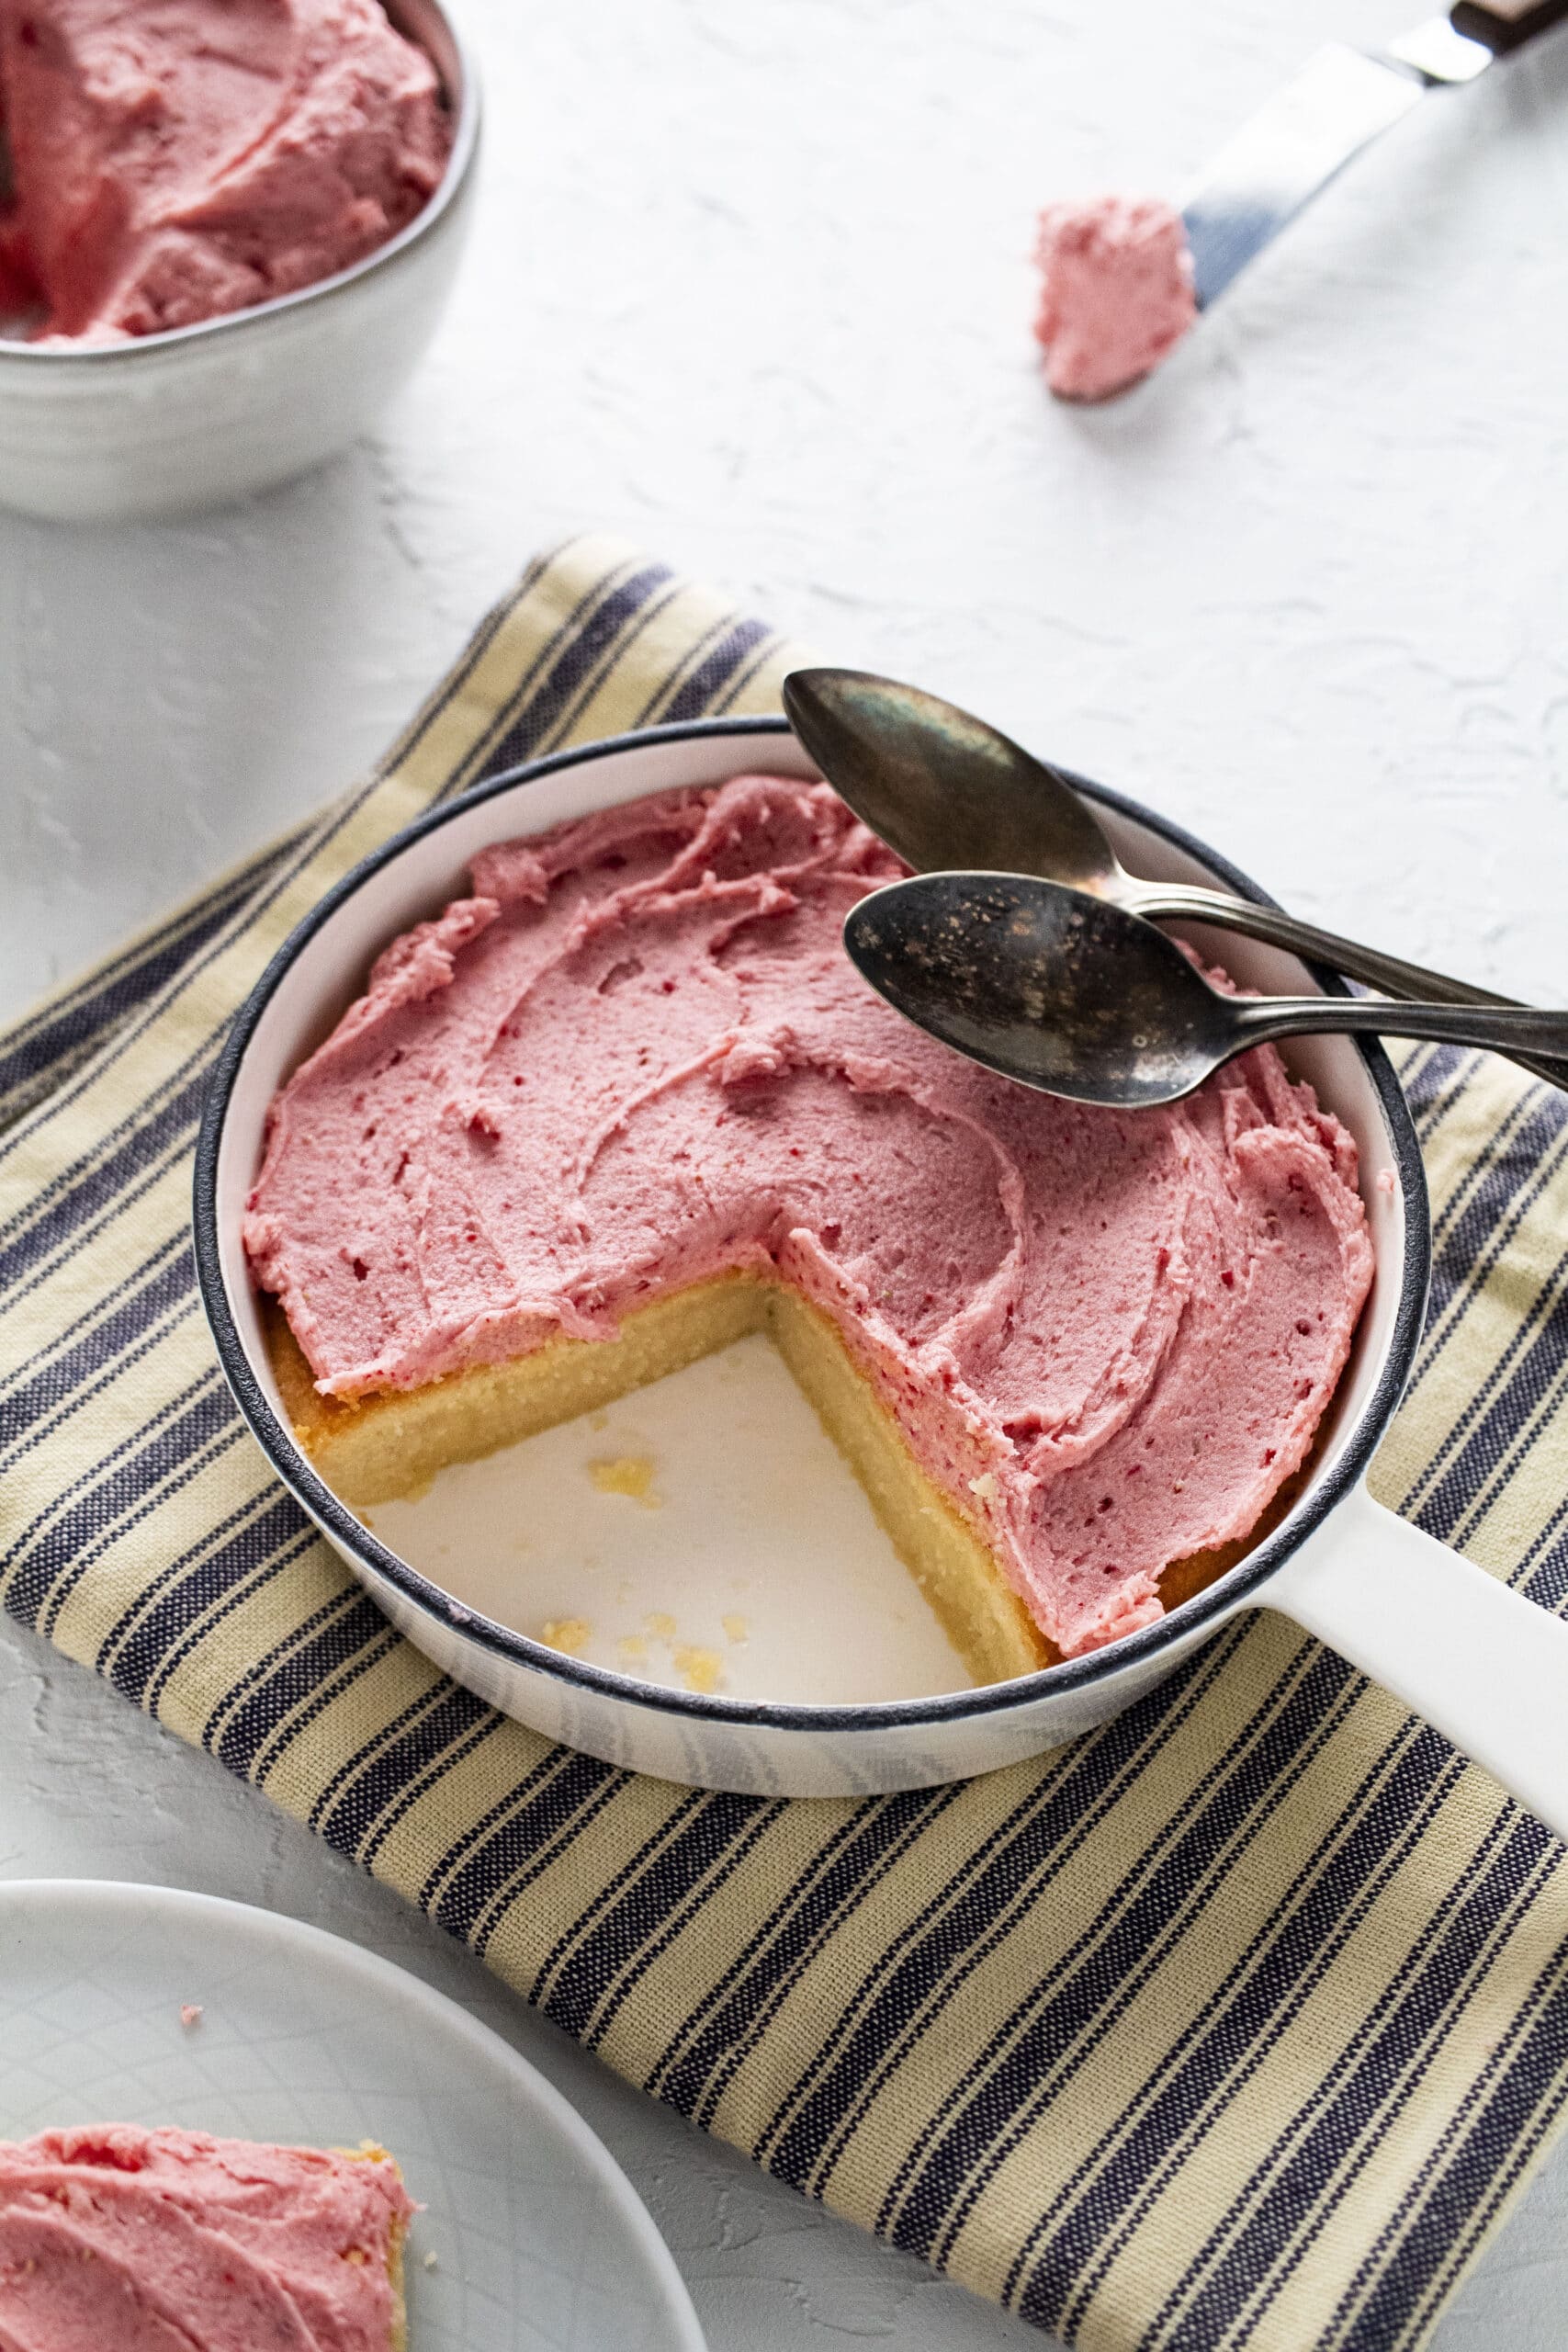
x=1504 y=24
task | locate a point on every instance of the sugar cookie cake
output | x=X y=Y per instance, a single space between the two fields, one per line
x=627 y=1100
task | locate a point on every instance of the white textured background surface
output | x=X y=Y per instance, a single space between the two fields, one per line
x=750 y=283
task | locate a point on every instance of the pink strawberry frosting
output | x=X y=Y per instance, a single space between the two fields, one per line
x=1116 y=293
x=115 y=2239
x=637 y=1055
x=180 y=158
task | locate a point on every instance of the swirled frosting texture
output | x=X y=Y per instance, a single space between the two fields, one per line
x=636 y=1056
x=115 y=2239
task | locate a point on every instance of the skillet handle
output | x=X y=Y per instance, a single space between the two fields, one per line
x=1486 y=1667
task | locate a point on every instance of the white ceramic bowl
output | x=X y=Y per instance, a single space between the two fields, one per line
x=175 y=422
x=1484 y=1665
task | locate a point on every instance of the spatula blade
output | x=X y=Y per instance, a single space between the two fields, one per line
x=1308 y=132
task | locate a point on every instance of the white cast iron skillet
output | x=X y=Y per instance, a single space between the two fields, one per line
x=1485 y=1665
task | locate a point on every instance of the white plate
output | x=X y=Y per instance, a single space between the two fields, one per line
x=541 y=2245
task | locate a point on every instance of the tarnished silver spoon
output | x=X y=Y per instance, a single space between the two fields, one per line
x=946 y=789
x=1075 y=996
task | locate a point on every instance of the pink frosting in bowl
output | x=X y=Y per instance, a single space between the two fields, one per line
x=636 y=1057
x=114 y=2238
x=180 y=160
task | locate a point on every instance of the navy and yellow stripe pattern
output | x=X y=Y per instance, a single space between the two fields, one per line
x=1235 y=2024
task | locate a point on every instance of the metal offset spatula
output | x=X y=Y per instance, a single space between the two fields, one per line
x=1337 y=105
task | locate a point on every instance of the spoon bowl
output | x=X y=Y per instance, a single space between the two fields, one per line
x=943 y=788
x=1052 y=988
x=1064 y=991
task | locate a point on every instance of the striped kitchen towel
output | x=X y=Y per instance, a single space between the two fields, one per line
x=1237 y=2023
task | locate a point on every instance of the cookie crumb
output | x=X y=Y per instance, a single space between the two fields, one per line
x=701 y=1671
x=626 y=1473
x=570 y=1636
x=660 y=1624
x=735 y=1629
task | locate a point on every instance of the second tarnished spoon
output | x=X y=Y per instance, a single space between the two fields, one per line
x=1072 y=995
x=946 y=789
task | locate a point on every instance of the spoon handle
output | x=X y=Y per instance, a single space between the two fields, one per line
x=1375 y=970
x=1504 y=1029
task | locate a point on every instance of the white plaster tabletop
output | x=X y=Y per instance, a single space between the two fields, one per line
x=751 y=285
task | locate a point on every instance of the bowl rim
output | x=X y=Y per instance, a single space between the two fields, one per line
x=465 y=120
x=1216 y=1602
